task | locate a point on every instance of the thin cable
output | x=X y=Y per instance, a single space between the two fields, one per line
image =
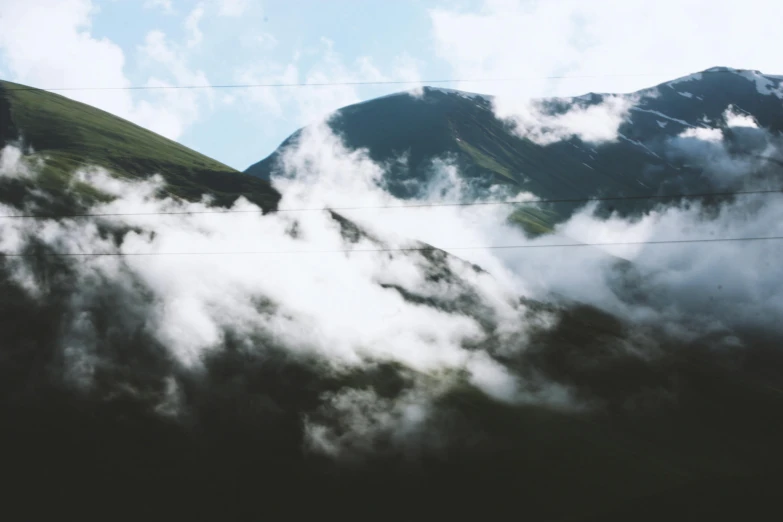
x=412 y=205
x=412 y=249
x=331 y=84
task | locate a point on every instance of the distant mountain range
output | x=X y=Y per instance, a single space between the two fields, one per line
x=445 y=123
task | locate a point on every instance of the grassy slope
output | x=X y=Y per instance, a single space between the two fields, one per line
x=70 y=135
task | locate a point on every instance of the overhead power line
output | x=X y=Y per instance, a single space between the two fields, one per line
x=335 y=84
x=402 y=206
x=411 y=249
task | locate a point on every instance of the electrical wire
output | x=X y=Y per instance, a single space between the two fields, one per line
x=402 y=206
x=411 y=249
x=335 y=84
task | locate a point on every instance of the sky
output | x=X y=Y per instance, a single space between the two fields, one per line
x=601 y=46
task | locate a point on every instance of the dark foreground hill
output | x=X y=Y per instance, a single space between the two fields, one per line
x=693 y=429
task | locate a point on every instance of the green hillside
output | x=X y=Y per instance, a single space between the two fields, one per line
x=69 y=135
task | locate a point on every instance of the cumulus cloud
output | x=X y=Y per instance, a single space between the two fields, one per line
x=266 y=41
x=163 y=5
x=595 y=123
x=13 y=164
x=718 y=287
x=322 y=64
x=305 y=106
x=738 y=119
x=192 y=26
x=47 y=63
x=233 y=8
x=538 y=39
x=729 y=155
x=405 y=68
x=183 y=107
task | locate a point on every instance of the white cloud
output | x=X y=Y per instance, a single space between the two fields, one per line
x=405 y=68
x=735 y=118
x=597 y=123
x=328 y=67
x=163 y=5
x=694 y=286
x=266 y=41
x=38 y=40
x=233 y=7
x=315 y=314
x=13 y=164
x=727 y=164
x=176 y=108
x=531 y=39
x=191 y=304
x=711 y=135
x=192 y=26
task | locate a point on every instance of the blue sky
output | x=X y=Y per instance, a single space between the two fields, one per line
x=84 y=43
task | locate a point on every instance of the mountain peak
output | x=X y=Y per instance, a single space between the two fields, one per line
x=720 y=68
x=463 y=94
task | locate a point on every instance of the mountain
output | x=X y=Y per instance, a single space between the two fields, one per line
x=228 y=431
x=463 y=126
x=69 y=135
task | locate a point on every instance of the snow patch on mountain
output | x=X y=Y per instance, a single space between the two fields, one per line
x=689 y=78
x=640 y=144
x=662 y=115
x=765 y=85
x=708 y=135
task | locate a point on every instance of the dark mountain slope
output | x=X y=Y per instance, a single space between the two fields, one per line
x=447 y=123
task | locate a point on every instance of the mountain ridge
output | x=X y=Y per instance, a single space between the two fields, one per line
x=463 y=126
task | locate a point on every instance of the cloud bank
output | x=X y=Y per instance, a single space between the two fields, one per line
x=338 y=296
